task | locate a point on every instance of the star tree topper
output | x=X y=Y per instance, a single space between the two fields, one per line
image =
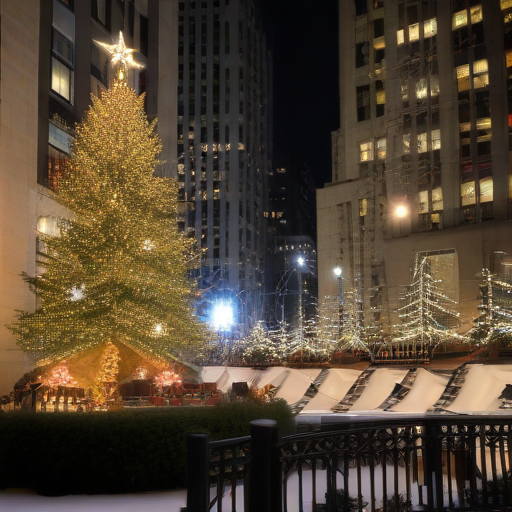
x=121 y=56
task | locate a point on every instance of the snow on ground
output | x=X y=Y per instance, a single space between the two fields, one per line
x=379 y=387
x=148 y=502
x=296 y=384
x=425 y=391
x=482 y=386
x=331 y=391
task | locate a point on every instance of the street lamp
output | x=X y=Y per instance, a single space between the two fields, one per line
x=300 y=261
x=338 y=273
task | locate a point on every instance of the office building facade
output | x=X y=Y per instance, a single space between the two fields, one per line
x=421 y=162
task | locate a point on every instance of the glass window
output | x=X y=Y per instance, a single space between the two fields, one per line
x=61 y=79
x=437 y=199
x=363 y=102
x=421 y=89
x=406 y=139
x=434 y=86
x=430 y=28
x=381 y=97
x=422 y=143
x=506 y=4
x=460 y=19
x=48 y=225
x=400 y=37
x=463 y=78
x=363 y=207
x=366 y=151
x=467 y=193
x=486 y=189
x=423 y=197
x=476 y=14
x=510 y=186
x=480 y=74
x=414 y=32
x=57 y=164
x=381 y=148
x=483 y=123
x=404 y=88
x=436 y=139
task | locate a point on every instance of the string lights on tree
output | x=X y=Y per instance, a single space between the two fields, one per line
x=118 y=271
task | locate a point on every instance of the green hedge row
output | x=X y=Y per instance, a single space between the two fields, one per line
x=116 y=452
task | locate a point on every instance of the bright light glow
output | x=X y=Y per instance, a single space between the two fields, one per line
x=301 y=261
x=401 y=211
x=76 y=293
x=222 y=316
x=119 y=53
x=337 y=271
x=158 y=328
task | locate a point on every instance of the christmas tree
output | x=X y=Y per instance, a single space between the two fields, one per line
x=428 y=316
x=259 y=348
x=118 y=271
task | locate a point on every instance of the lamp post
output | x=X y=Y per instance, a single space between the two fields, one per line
x=300 y=261
x=338 y=273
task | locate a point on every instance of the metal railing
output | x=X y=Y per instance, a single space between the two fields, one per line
x=427 y=462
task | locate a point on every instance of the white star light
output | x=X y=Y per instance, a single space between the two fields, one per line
x=119 y=53
x=76 y=293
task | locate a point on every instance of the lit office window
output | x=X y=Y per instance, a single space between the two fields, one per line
x=480 y=74
x=460 y=19
x=436 y=139
x=467 y=193
x=400 y=37
x=406 y=139
x=61 y=79
x=463 y=78
x=381 y=148
x=363 y=207
x=437 y=199
x=365 y=151
x=486 y=189
x=422 y=143
x=430 y=28
x=423 y=200
x=414 y=32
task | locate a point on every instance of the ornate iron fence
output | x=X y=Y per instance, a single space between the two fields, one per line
x=392 y=463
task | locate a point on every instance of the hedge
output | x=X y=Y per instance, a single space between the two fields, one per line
x=116 y=452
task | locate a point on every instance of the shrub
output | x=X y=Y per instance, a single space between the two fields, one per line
x=115 y=452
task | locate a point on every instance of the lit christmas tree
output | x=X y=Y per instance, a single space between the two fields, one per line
x=118 y=271
x=259 y=347
x=494 y=326
x=428 y=316
x=106 y=382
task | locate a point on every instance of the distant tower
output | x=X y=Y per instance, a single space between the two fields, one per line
x=222 y=145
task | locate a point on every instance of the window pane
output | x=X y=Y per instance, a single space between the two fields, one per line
x=61 y=79
x=422 y=143
x=436 y=139
x=506 y=4
x=381 y=148
x=434 y=86
x=460 y=19
x=365 y=151
x=363 y=207
x=414 y=32
x=463 y=78
x=430 y=28
x=407 y=143
x=467 y=193
x=476 y=14
x=437 y=199
x=423 y=208
x=400 y=37
x=486 y=189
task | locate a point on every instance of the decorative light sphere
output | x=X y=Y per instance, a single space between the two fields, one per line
x=222 y=316
x=337 y=271
x=401 y=211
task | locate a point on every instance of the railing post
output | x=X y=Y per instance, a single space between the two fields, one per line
x=265 y=470
x=198 y=473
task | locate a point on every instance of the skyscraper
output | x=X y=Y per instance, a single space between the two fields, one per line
x=421 y=162
x=222 y=147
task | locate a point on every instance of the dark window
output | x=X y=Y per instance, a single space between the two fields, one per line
x=100 y=11
x=363 y=102
x=378 y=27
x=362 y=54
x=144 y=33
x=361 y=7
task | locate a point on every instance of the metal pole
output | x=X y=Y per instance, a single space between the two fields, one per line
x=198 y=473
x=265 y=470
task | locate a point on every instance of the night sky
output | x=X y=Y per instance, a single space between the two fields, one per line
x=303 y=37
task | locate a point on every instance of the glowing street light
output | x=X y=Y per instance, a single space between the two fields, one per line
x=401 y=211
x=337 y=271
x=300 y=261
x=222 y=316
